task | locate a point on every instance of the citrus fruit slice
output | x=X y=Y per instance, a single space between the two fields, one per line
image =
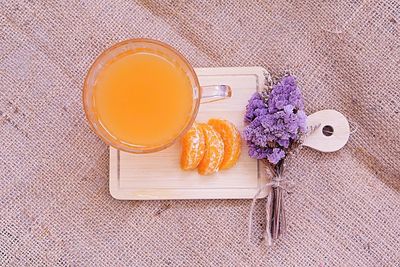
x=232 y=141
x=193 y=148
x=214 y=151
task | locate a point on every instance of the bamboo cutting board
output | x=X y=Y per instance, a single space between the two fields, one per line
x=158 y=175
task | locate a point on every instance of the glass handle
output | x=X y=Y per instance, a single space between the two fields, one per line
x=213 y=93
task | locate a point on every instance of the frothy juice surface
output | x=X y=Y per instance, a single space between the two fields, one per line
x=143 y=98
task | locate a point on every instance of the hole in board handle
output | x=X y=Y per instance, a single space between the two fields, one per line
x=327 y=130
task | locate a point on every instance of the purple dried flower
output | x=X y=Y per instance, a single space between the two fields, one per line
x=258 y=152
x=255 y=107
x=274 y=126
x=276 y=155
x=285 y=93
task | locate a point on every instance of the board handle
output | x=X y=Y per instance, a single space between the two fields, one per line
x=331 y=131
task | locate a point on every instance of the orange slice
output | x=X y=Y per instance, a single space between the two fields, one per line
x=232 y=141
x=193 y=148
x=214 y=151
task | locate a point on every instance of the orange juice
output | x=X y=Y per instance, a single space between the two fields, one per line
x=143 y=98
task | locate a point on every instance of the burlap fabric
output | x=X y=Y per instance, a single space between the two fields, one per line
x=55 y=205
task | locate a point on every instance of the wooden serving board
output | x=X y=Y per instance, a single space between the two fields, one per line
x=158 y=175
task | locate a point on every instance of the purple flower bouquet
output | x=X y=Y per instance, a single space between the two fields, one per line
x=276 y=124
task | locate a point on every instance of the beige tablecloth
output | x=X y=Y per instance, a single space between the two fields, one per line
x=55 y=208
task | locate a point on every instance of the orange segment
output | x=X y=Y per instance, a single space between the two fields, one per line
x=193 y=148
x=214 y=151
x=232 y=141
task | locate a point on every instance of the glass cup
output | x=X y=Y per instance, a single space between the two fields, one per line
x=201 y=94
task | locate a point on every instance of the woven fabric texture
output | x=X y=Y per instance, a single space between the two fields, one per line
x=55 y=208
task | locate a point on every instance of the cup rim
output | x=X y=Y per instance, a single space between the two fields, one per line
x=121 y=146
